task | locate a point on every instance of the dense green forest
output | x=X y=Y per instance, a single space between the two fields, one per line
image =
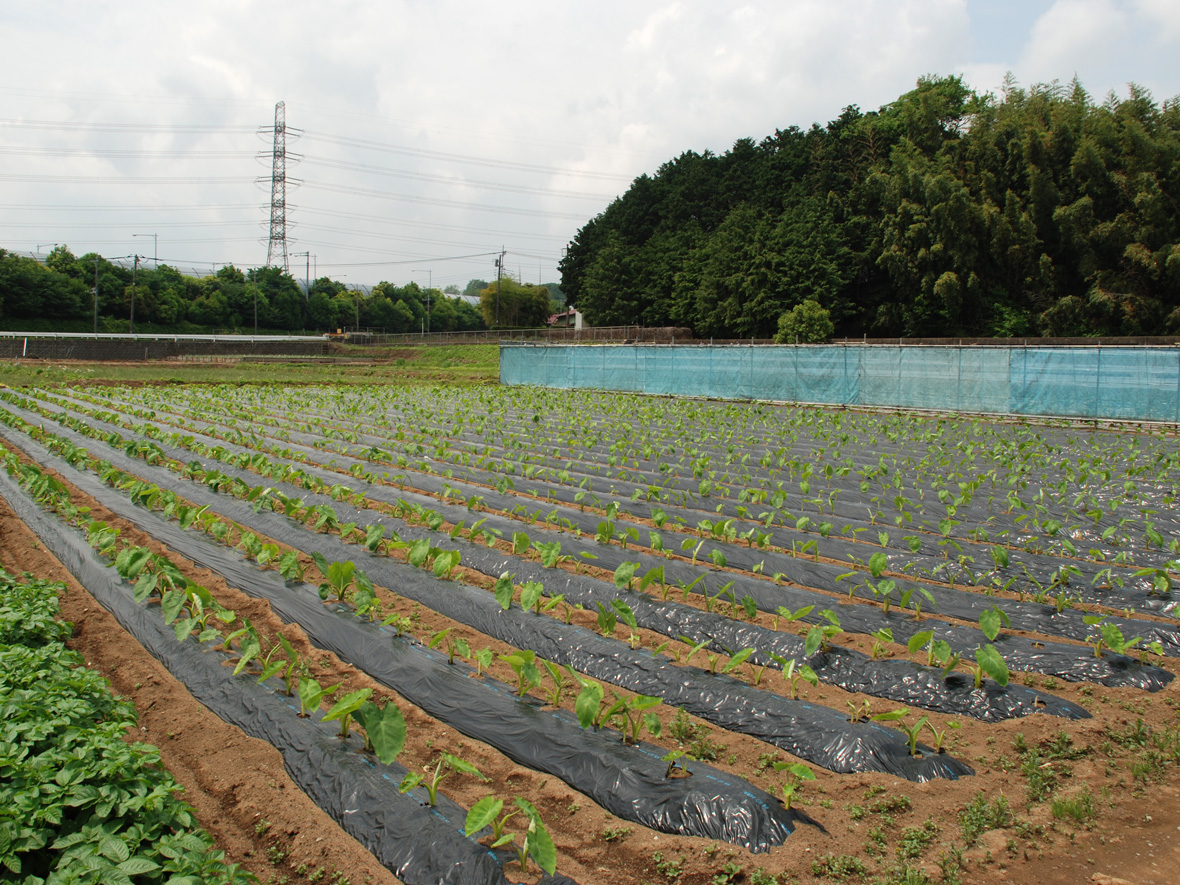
x=60 y=296
x=947 y=212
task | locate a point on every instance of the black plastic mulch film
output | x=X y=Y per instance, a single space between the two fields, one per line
x=1032 y=617
x=418 y=843
x=812 y=732
x=630 y=782
x=956 y=696
x=1029 y=616
x=850 y=505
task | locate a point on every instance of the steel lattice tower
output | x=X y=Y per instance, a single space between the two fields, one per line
x=276 y=249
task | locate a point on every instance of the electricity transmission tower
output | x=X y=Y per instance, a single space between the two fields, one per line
x=276 y=249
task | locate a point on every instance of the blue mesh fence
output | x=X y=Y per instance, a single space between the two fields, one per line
x=1134 y=383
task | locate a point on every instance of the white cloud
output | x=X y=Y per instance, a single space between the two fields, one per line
x=616 y=87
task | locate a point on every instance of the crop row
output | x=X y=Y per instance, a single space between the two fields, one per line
x=1104 y=631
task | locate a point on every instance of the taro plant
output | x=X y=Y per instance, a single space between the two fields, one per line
x=797 y=773
x=447 y=764
x=312 y=694
x=455 y=645
x=1108 y=635
x=588 y=707
x=632 y=716
x=523 y=664
x=344 y=709
x=988 y=661
x=793 y=671
x=820 y=636
x=384 y=729
x=536 y=842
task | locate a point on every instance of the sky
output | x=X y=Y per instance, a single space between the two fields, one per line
x=425 y=136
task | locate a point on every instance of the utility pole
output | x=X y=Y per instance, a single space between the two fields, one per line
x=134 y=271
x=96 y=294
x=255 y=306
x=499 y=278
x=306 y=274
x=155 y=251
x=429 y=286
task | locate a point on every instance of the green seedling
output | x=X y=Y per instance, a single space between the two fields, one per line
x=558 y=675
x=607 y=620
x=446 y=764
x=531 y=595
x=455 y=645
x=793 y=672
x=344 y=708
x=820 y=636
x=693 y=648
x=990 y=622
x=912 y=732
x=1108 y=635
x=675 y=759
x=624 y=574
x=632 y=718
x=312 y=694
x=504 y=591
x=338 y=577
x=588 y=707
x=791 y=616
x=523 y=664
x=384 y=728
x=536 y=843
x=445 y=563
x=797 y=772
x=989 y=661
x=939 y=734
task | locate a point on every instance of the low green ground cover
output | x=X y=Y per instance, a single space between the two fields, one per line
x=78 y=803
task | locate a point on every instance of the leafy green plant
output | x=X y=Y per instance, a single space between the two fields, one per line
x=797 y=772
x=523 y=664
x=384 y=728
x=536 y=842
x=632 y=716
x=312 y=694
x=447 y=763
x=455 y=645
x=344 y=708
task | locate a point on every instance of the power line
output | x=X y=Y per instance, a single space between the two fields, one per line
x=444 y=179
x=66 y=126
x=458 y=158
x=383 y=195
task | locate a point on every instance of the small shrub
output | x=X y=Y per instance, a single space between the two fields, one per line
x=807 y=323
